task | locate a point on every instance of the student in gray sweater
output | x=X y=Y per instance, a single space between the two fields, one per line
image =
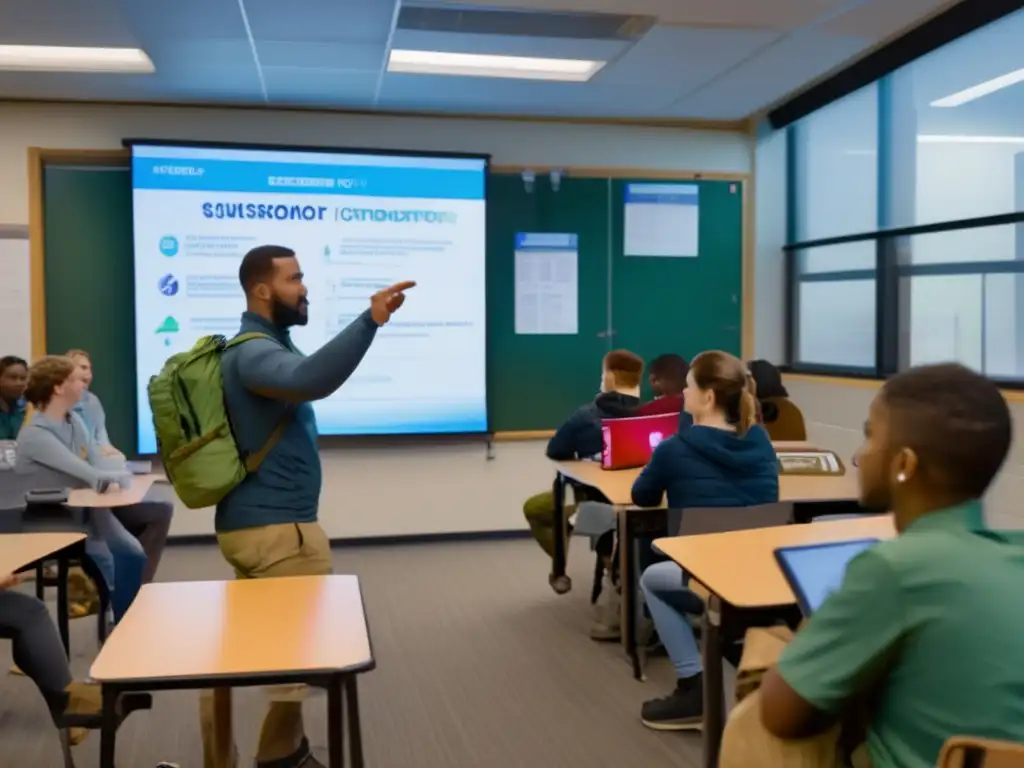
x=149 y=522
x=55 y=449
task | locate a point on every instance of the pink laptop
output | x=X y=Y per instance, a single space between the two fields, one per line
x=629 y=442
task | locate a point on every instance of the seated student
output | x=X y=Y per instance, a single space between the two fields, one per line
x=724 y=460
x=39 y=654
x=580 y=437
x=149 y=521
x=780 y=416
x=55 y=447
x=13 y=375
x=667 y=376
x=926 y=628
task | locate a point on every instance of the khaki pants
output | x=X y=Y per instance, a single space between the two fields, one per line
x=746 y=743
x=288 y=549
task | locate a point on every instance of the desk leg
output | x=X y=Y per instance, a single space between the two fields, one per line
x=335 y=724
x=108 y=727
x=355 y=733
x=62 y=602
x=628 y=584
x=560 y=534
x=714 y=695
x=223 y=727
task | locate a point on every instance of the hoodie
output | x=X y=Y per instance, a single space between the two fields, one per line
x=580 y=437
x=708 y=467
x=61 y=454
x=90 y=409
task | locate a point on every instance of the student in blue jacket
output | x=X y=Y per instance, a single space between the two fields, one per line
x=724 y=460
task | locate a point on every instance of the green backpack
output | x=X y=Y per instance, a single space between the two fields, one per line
x=194 y=436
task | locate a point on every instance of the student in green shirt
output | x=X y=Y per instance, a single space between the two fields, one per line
x=13 y=378
x=923 y=638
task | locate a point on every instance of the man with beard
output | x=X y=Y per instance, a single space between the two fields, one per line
x=267 y=526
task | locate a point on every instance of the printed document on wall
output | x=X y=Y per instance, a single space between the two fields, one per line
x=546 y=284
x=662 y=220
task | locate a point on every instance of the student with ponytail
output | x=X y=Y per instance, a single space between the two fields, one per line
x=725 y=460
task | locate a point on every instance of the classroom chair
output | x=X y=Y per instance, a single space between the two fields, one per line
x=127 y=703
x=970 y=752
x=788 y=422
x=701 y=520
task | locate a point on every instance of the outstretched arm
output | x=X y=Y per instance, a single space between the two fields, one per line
x=268 y=369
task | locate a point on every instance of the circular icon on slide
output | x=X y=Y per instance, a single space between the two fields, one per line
x=168 y=285
x=169 y=245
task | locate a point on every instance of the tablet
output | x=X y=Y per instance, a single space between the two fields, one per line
x=815 y=571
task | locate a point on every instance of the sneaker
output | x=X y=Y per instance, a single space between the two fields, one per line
x=561 y=584
x=682 y=710
x=607 y=624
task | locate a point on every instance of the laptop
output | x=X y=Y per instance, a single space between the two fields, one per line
x=628 y=443
x=815 y=571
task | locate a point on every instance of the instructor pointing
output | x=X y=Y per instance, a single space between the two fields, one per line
x=267 y=526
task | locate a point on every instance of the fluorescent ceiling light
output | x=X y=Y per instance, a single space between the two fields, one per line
x=52 y=58
x=937 y=139
x=487 y=65
x=981 y=89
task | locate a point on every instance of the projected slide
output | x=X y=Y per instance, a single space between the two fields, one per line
x=358 y=223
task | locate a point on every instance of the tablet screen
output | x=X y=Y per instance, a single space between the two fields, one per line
x=814 y=572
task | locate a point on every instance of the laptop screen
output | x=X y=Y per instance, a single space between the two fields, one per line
x=816 y=571
x=630 y=442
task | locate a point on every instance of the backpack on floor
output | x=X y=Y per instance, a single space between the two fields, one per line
x=200 y=454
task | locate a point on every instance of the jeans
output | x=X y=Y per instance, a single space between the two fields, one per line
x=36 y=646
x=119 y=557
x=669 y=600
x=149 y=522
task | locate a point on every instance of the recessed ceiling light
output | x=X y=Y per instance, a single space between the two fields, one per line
x=488 y=65
x=981 y=89
x=938 y=139
x=52 y=58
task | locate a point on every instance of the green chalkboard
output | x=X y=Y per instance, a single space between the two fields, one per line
x=682 y=305
x=649 y=305
x=89 y=281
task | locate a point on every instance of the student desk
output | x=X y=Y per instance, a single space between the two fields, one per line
x=739 y=571
x=18 y=550
x=88 y=498
x=218 y=634
x=805 y=492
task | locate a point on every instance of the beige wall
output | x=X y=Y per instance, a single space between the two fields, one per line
x=835 y=411
x=390 y=489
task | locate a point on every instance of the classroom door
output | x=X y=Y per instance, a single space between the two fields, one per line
x=537 y=380
x=682 y=305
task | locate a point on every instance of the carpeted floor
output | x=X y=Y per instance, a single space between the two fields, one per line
x=480 y=665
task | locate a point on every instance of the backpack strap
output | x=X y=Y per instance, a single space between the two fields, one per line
x=253 y=460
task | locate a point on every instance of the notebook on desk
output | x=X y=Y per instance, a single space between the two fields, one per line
x=629 y=443
x=815 y=571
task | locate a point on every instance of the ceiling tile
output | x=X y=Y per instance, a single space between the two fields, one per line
x=64 y=22
x=770 y=75
x=685 y=57
x=326 y=86
x=161 y=21
x=345 y=56
x=325 y=21
x=882 y=19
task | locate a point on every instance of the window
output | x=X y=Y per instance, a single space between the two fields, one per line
x=956 y=133
x=835 y=154
x=835 y=307
x=923 y=150
x=962 y=298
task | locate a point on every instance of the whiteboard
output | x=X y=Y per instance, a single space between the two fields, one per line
x=15 y=295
